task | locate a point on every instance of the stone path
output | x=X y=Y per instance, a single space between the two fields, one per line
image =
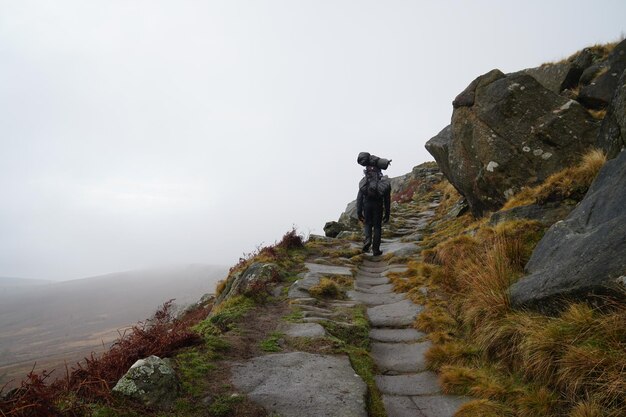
x=408 y=388
x=304 y=384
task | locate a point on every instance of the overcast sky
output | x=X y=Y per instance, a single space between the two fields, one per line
x=142 y=133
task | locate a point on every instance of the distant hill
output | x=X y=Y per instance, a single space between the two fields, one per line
x=48 y=322
x=12 y=282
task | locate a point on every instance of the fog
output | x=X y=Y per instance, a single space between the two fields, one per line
x=138 y=134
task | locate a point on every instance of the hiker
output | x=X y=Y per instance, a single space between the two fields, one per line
x=373 y=204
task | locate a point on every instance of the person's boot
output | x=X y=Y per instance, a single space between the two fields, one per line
x=366 y=245
x=377 y=252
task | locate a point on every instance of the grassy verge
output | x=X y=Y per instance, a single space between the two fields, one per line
x=516 y=363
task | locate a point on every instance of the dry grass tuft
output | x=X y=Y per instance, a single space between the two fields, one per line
x=484 y=408
x=587 y=409
x=570 y=183
x=597 y=114
x=519 y=363
x=327 y=288
x=449 y=196
x=538 y=401
x=435 y=319
x=221 y=286
x=459 y=380
x=457 y=353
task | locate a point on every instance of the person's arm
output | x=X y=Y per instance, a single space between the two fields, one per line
x=359 y=205
x=387 y=205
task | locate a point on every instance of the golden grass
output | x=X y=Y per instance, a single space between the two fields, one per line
x=221 y=286
x=435 y=319
x=587 y=409
x=455 y=352
x=449 y=196
x=600 y=50
x=597 y=114
x=484 y=408
x=327 y=288
x=569 y=183
x=537 y=401
x=547 y=366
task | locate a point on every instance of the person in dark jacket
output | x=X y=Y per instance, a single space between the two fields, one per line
x=373 y=204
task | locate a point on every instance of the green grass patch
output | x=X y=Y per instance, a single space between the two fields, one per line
x=224 y=405
x=226 y=315
x=193 y=367
x=364 y=366
x=271 y=343
x=295 y=316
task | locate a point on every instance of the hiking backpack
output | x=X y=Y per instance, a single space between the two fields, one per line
x=374 y=185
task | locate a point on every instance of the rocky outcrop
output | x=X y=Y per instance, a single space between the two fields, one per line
x=546 y=214
x=600 y=80
x=563 y=75
x=332 y=229
x=152 y=381
x=612 y=136
x=584 y=255
x=257 y=277
x=509 y=131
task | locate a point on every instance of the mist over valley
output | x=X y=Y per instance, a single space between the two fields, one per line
x=52 y=322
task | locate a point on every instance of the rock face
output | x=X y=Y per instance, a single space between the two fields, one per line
x=508 y=131
x=151 y=381
x=563 y=75
x=546 y=214
x=256 y=277
x=584 y=255
x=600 y=80
x=612 y=136
x=302 y=384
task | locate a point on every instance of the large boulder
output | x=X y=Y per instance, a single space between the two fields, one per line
x=508 y=132
x=584 y=255
x=332 y=229
x=152 y=381
x=612 y=136
x=600 y=80
x=563 y=75
x=256 y=278
x=349 y=218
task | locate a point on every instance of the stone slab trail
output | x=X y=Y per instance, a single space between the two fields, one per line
x=300 y=384
x=398 y=350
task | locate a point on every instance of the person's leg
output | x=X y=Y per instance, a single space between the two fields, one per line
x=367 y=226
x=377 y=219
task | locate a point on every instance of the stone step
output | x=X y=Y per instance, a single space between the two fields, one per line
x=373 y=269
x=390 y=335
x=423 y=383
x=310 y=330
x=367 y=274
x=367 y=280
x=399 y=314
x=426 y=406
x=375 y=289
x=375 y=299
x=400 y=358
x=373 y=264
